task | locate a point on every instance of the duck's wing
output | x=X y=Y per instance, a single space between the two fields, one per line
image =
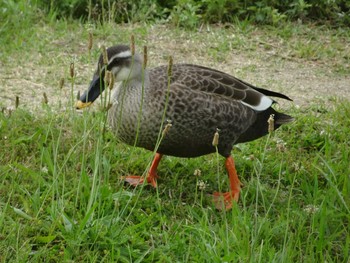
x=217 y=82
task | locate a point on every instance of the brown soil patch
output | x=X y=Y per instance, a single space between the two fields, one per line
x=303 y=80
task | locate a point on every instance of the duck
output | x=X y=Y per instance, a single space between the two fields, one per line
x=182 y=110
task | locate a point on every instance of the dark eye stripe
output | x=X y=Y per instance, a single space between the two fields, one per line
x=113 y=63
x=119 y=62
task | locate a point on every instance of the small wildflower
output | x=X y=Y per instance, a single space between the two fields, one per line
x=197 y=172
x=216 y=138
x=201 y=185
x=145 y=58
x=167 y=128
x=271 y=122
x=44 y=170
x=324 y=133
x=281 y=145
x=297 y=166
x=311 y=209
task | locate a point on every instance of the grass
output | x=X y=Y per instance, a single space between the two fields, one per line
x=60 y=194
x=61 y=198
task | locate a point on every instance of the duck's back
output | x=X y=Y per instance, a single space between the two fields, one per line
x=197 y=101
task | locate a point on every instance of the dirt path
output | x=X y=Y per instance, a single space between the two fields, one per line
x=304 y=81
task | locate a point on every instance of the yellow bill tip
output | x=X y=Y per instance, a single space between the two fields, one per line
x=80 y=105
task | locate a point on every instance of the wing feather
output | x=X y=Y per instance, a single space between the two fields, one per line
x=216 y=82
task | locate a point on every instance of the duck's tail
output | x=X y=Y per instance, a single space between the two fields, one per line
x=261 y=127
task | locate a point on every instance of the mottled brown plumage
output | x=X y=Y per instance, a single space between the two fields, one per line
x=197 y=100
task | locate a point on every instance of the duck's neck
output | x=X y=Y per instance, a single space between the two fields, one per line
x=139 y=80
x=135 y=85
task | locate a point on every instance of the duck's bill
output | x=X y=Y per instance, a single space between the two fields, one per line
x=89 y=96
x=81 y=105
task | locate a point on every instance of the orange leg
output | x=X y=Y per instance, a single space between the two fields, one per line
x=151 y=177
x=225 y=199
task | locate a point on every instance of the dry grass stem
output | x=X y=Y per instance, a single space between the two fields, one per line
x=166 y=128
x=216 y=138
x=145 y=58
x=90 y=41
x=45 y=99
x=61 y=83
x=107 y=76
x=170 y=66
x=271 y=122
x=71 y=70
x=17 y=102
x=104 y=55
x=111 y=82
x=109 y=79
x=132 y=45
x=109 y=105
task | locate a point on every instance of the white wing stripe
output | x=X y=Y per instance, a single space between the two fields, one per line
x=264 y=104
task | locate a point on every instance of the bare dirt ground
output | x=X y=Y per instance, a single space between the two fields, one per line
x=305 y=81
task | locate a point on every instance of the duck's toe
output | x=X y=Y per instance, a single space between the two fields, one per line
x=136 y=180
x=152 y=180
x=133 y=180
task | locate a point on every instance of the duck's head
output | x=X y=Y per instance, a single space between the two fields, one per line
x=121 y=62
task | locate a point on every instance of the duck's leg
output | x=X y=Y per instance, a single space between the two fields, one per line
x=224 y=200
x=151 y=176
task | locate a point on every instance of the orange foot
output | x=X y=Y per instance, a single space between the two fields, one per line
x=224 y=200
x=136 y=180
x=152 y=176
